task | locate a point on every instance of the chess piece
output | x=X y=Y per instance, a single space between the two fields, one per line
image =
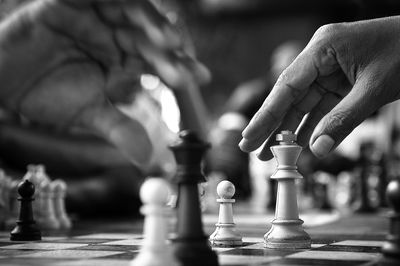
x=26 y=229
x=325 y=203
x=155 y=251
x=32 y=176
x=48 y=218
x=366 y=168
x=5 y=195
x=321 y=191
x=225 y=233
x=391 y=248
x=3 y=201
x=59 y=189
x=12 y=204
x=190 y=244
x=286 y=231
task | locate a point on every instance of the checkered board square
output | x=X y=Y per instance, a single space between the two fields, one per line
x=120 y=249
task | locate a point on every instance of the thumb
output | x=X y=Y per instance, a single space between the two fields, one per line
x=335 y=126
x=127 y=134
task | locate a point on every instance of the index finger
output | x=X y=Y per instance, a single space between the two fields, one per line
x=291 y=85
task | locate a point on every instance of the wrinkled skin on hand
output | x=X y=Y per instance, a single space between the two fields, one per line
x=346 y=72
x=62 y=60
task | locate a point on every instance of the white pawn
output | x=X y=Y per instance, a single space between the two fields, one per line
x=13 y=203
x=39 y=176
x=2 y=198
x=60 y=188
x=48 y=218
x=155 y=251
x=225 y=233
x=31 y=174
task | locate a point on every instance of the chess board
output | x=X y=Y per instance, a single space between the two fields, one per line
x=336 y=240
x=120 y=248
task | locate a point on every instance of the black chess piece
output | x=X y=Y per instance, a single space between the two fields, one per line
x=191 y=246
x=391 y=248
x=26 y=229
x=322 y=182
x=363 y=202
x=325 y=203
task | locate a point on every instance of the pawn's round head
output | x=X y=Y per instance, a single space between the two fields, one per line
x=154 y=191
x=40 y=168
x=26 y=189
x=225 y=189
x=31 y=168
x=393 y=194
x=45 y=186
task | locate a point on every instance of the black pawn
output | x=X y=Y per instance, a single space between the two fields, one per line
x=363 y=203
x=324 y=199
x=391 y=248
x=191 y=245
x=26 y=229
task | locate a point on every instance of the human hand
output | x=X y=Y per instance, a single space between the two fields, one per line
x=61 y=61
x=346 y=72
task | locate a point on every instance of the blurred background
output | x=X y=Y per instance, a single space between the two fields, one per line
x=245 y=44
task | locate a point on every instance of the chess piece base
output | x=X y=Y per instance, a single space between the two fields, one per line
x=287 y=234
x=363 y=207
x=225 y=236
x=194 y=252
x=155 y=257
x=391 y=247
x=25 y=232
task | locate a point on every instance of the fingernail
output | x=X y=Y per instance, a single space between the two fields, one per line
x=244 y=132
x=322 y=145
x=241 y=143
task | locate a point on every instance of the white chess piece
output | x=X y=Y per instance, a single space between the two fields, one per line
x=13 y=204
x=2 y=189
x=41 y=177
x=48 y=219
x=40 y=173
x=225 y=233
x=60 y=188
x=4 y=197
x=155 y=251
x=31 y=174
x=286 y=231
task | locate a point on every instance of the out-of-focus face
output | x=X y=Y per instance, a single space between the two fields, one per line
x=283 y=56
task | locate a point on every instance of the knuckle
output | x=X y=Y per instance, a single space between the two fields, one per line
x=327 y=45
x=330 y=35
x=339 y=124
x=329 y=30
